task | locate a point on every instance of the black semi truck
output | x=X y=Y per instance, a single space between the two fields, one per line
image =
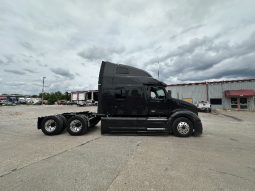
x=129 y=100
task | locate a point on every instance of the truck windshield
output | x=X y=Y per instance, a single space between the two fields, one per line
x=157 y=93
x=161 y=93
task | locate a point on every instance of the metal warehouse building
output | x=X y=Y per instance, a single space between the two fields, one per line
x=232 y=94
x=82 y=97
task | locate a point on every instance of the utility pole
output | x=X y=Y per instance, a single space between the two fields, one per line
x=158 y=69
x=207 y=91
x=43 y=89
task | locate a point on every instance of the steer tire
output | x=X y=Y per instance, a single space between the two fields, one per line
x=77 y=125
x=52 y=125
x=182 y=127
x=198 y=131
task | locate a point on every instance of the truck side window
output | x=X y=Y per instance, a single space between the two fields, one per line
x=120 y=93
x=135 y=93
x=153 y=95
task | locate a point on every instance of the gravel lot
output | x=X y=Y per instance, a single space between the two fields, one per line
x=223 y=158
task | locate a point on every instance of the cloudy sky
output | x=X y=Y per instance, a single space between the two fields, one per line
x=66 y=40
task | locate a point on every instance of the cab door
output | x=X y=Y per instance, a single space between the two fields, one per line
x=136 y=101
x=158 y=102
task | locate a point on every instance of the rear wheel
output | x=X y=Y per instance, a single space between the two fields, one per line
x=182 y=127
x=77 y=125
x=64 y=122
x=52 y=125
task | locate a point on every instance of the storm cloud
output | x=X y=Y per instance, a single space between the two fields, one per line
x=27 y=45
x=30 y=70
x=18 y=72
x=2 y=62
x=187 y=40
x=62 y=72
x=100 y=53
x=206 y=55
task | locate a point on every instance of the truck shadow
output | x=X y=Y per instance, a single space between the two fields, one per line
x=226 y=115
x=137 y=134
x=154 y=134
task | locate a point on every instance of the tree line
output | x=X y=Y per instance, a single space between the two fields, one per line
x=55 y=96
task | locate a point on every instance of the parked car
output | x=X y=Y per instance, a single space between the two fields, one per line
x=71 y=103
x=7 y=103
x=204 y=106
x=21 y=100
x=62 y=102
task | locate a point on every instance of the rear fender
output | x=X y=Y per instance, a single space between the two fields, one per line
x=39 y=122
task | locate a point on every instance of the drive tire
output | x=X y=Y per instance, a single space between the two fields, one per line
x=52 y=125
x=77 y=125
x=64 y=122
x=182 y=127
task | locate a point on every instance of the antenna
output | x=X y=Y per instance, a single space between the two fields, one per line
x=43 y=78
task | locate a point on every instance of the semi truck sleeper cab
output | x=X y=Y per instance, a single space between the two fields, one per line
x=129 y=100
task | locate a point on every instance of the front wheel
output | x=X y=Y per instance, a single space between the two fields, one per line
x=182 y=127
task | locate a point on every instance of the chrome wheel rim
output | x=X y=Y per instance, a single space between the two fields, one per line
x=183 y=128
x=75 y=126
x=50 y=125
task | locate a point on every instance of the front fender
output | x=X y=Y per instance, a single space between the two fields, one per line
x=197 y=125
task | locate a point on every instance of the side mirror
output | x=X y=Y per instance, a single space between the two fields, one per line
x=169 y=94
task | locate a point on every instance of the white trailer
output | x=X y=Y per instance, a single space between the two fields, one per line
x=82 y=98
x=79 y=97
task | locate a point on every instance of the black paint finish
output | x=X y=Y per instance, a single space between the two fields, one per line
x=134 y=101
x=131 y=100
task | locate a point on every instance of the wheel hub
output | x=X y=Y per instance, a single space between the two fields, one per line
x=183 y=128
x=75 y=125
x=50 y=125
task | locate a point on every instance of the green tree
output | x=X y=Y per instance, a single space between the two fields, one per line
x=55 y=96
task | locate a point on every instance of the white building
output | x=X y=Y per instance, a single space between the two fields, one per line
x=232 y=94
x=89 y=97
